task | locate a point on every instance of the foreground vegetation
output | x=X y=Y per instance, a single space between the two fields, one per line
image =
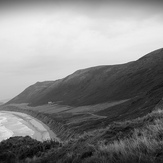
x=139 y=140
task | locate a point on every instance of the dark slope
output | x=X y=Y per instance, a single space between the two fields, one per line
x=141 y=79
x=31 y=92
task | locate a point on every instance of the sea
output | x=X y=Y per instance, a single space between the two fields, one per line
x=11 y=125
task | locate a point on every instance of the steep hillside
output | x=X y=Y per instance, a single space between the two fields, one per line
x=138 y=80
x=31 y=92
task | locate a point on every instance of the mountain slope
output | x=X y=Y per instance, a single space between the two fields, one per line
x=31 y=92
x=138 y=79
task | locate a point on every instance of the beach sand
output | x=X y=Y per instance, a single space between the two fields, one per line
x=41 y=131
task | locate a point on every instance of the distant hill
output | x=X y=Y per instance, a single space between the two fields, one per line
x=140 y=80
x=31 y=92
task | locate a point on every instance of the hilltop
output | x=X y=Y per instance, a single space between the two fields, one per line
x=100 y=84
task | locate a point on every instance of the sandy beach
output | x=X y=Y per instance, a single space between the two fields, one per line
x=31 y=126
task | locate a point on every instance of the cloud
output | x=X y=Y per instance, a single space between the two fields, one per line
x=49 y=40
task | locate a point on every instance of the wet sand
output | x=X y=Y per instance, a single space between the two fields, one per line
x=41 y=131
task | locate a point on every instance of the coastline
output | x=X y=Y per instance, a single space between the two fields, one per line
x=41 y=131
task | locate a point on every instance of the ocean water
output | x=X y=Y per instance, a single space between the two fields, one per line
x=11 y=125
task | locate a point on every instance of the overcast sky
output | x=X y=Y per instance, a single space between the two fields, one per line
x=48 y=40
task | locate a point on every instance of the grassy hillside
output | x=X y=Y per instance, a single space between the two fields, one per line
x=31 y=92
x=139 y=140
x=101 y=84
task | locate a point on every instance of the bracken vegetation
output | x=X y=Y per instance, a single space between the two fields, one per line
x=139 y=140
x=18 y=149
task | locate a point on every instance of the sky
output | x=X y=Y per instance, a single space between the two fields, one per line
x=42 y=40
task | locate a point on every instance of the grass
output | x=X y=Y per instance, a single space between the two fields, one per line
x=141 y=144
x=132 y=141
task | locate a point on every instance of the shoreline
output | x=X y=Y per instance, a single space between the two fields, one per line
x=41 y=131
